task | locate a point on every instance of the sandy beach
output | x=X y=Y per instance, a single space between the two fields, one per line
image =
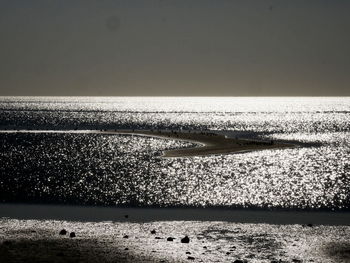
x=160 y=241
x=31 y=233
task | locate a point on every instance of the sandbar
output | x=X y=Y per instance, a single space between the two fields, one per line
x=208 y=143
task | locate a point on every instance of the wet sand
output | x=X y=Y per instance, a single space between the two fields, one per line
x=218 y=241
x=30 y=233
x=141 y=215
x=210 y=143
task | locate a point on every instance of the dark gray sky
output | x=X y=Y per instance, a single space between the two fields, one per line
x=189 y=47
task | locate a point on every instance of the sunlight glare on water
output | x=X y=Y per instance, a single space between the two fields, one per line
x=129 y=170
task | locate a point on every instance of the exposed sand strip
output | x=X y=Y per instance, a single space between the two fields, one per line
x=208 y=143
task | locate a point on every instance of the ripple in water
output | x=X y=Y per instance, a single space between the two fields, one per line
x=121 y=170
x=128 y=170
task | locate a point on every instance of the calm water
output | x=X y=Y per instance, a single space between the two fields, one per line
x=93 y=169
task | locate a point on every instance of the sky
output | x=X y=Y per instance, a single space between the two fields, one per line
x=174 y=48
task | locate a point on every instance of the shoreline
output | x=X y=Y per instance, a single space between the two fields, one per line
x=139 y=215
x=30 y=240
x=209 y=143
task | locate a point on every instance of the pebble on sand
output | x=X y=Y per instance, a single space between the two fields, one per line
x=153 y=232
x=186 y=239
x=170 y=239
x=63 y=232
x=126 y=236
x=72 y=234
x=190 y=258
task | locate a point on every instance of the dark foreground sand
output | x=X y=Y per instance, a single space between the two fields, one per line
x=39 y=241
x=216 y=235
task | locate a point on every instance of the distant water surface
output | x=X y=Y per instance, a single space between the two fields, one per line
x=96 y=169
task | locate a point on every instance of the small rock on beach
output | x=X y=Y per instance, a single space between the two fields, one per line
x=63 y=232
x=186 y=239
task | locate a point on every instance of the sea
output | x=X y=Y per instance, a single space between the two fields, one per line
x=48 y=154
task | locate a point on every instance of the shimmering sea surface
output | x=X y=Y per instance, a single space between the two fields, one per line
x=128 y=170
